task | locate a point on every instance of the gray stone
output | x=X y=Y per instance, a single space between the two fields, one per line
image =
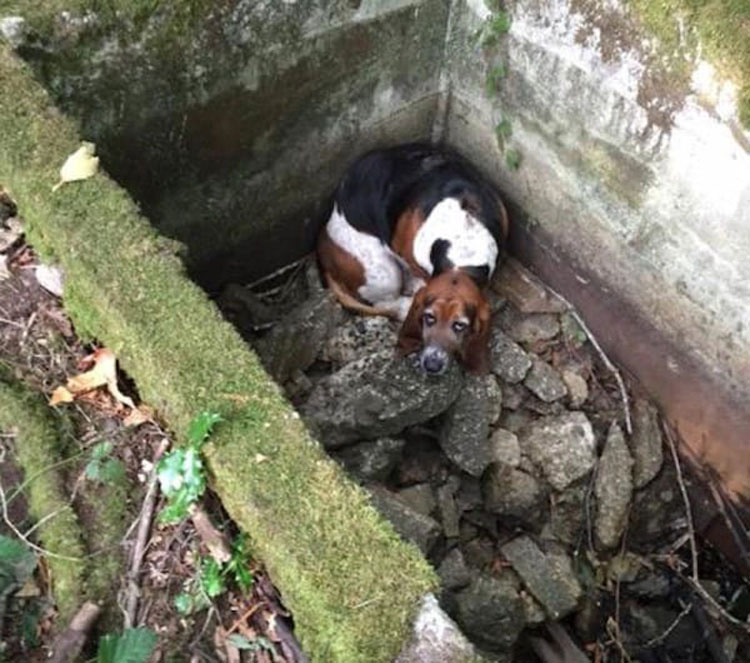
x=379 y=395
x=548 y=576
x=568 y=515
x=494 y=399
x=508 y=359
x=245 y=309
x=13 y=28
x=522 y=289
x=646 y=443
x=448 y=509
x=469 y=494
x=359 y=337
x=513 y=493
x=418 y=497
x=563 y=447
x=453 y=571
x=516 y=420
x=514 y=395
x=479 y=552
x=613 y=489
x=505 y=448
x=413 y=526
x=295 y=341
x=464 y=436
x=545 y=382
x=529 y=328
x=436 y=638
x=10 y=230
x=578 y=389
x=491 y=611
x=371 y=460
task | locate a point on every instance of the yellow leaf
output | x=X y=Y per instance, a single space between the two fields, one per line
x=80 y=165
x=60 y=395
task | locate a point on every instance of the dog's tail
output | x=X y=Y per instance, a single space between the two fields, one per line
x=352 y=303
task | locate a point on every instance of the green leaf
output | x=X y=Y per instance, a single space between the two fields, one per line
x=241 y=642
x=135 y=645
x=211 y=579
x=500 y=23
x=101 y=450
x=513 y=159
x=504 y=129
x=201 y=426
x=183 y=602
x=112 y=471
x=177 y=508
x=93 y=470
x=17 y=562
x=237 y=565
x=30 y=625
x=169 y=472
x=494 y=79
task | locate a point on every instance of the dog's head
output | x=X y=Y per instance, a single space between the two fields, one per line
x=449 y=318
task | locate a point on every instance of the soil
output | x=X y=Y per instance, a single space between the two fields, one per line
x=40 y=350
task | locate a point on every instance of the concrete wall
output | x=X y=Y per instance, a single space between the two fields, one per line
x=635 y=181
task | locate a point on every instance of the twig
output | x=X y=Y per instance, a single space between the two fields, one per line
x=245 y=616
x=734 y=526
x=700 y=590
x=43 y=520
x=144 y=527
x=69 y=643
x=274 y=274
x=19 y=534
x=686 y=500
x=708 y=635
x=607 y=362
x=661 y=638
x=216 y=542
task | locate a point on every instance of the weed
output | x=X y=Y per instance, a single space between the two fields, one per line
x=181 y=474
x=494 y=79
x=503 y=131
x=495 y=27
x=134 y=645
x=256 y=644
x=102 y=467
x=513 y=159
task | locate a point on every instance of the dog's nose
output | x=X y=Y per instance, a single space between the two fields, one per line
x=434 y=361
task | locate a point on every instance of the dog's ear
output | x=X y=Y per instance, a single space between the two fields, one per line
x=476 y=347
x=410 y=334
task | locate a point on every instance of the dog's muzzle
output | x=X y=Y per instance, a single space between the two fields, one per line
x=434 y=360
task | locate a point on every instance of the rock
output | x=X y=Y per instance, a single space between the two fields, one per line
x=578 y=389
x=371 y=460
x=453 y=571
x=545 y=381
x=464 y=436
x=447 y=508
x=375 y=396
x=419 y=498
x=562 y=447
x=10 y=230
x=295 y=341
x=522 y=289
x=645 y=443
x=529 y=328
x=358 y=337
x=469 y=494
x=479 y=552
x=436 y=638
x=514 y=395
x=515 y=421
x=613 y=489
x=411 y=525
x=572 y=332
x=507 y=359
x=51 y=278
x=538 y=406
x=568 y=515
x=548 y=576
x=14 y=29
x=298 y=387
x=513 y=493
x=494 y=399
x=491 y=611
x=504 y=448
x=424 y=463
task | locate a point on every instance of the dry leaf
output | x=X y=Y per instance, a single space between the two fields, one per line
x=61 y=395
x=260 y=458
x=80 y=165
x=139 y=415
x=4 y=271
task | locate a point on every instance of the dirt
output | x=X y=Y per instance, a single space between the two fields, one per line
x=39 y=349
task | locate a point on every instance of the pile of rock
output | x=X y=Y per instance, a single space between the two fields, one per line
x=517 y=485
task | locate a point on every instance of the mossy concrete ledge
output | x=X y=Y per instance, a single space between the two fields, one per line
x=37 y=450
x=354 y=587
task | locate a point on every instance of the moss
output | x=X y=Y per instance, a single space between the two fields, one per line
x=352 y=584
x=723 y=27
x=37 y=448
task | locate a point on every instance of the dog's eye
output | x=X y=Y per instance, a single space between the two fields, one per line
x=459 y=326
x=428 y=319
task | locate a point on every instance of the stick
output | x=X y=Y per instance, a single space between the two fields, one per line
x=607 y=362
x=144 y=527
x=69 y=643
x=686 y=500
x=216 y=541
x=660 y=638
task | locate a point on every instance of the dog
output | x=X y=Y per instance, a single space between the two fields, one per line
x=415 y=234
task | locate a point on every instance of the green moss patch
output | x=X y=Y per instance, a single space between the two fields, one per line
x=723 y=27
x=37 y=449
x=352 y=585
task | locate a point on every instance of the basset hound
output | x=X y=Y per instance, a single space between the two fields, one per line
x=414 y=234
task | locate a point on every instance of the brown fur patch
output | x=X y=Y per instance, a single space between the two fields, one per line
x=402 y=242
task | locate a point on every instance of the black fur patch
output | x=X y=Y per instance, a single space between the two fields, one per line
x=479 y=273
x=439 y=256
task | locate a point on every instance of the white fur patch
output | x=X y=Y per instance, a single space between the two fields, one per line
x=471 y=243
x=383 y=275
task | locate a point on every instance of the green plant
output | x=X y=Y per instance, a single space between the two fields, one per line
x=513 y=159
x=102 y=467
x=211 y=579
x=134 y=645
x=503 y=131
x=494 y=79
x=181 y=473
x=256 y=644
x=496 y=25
